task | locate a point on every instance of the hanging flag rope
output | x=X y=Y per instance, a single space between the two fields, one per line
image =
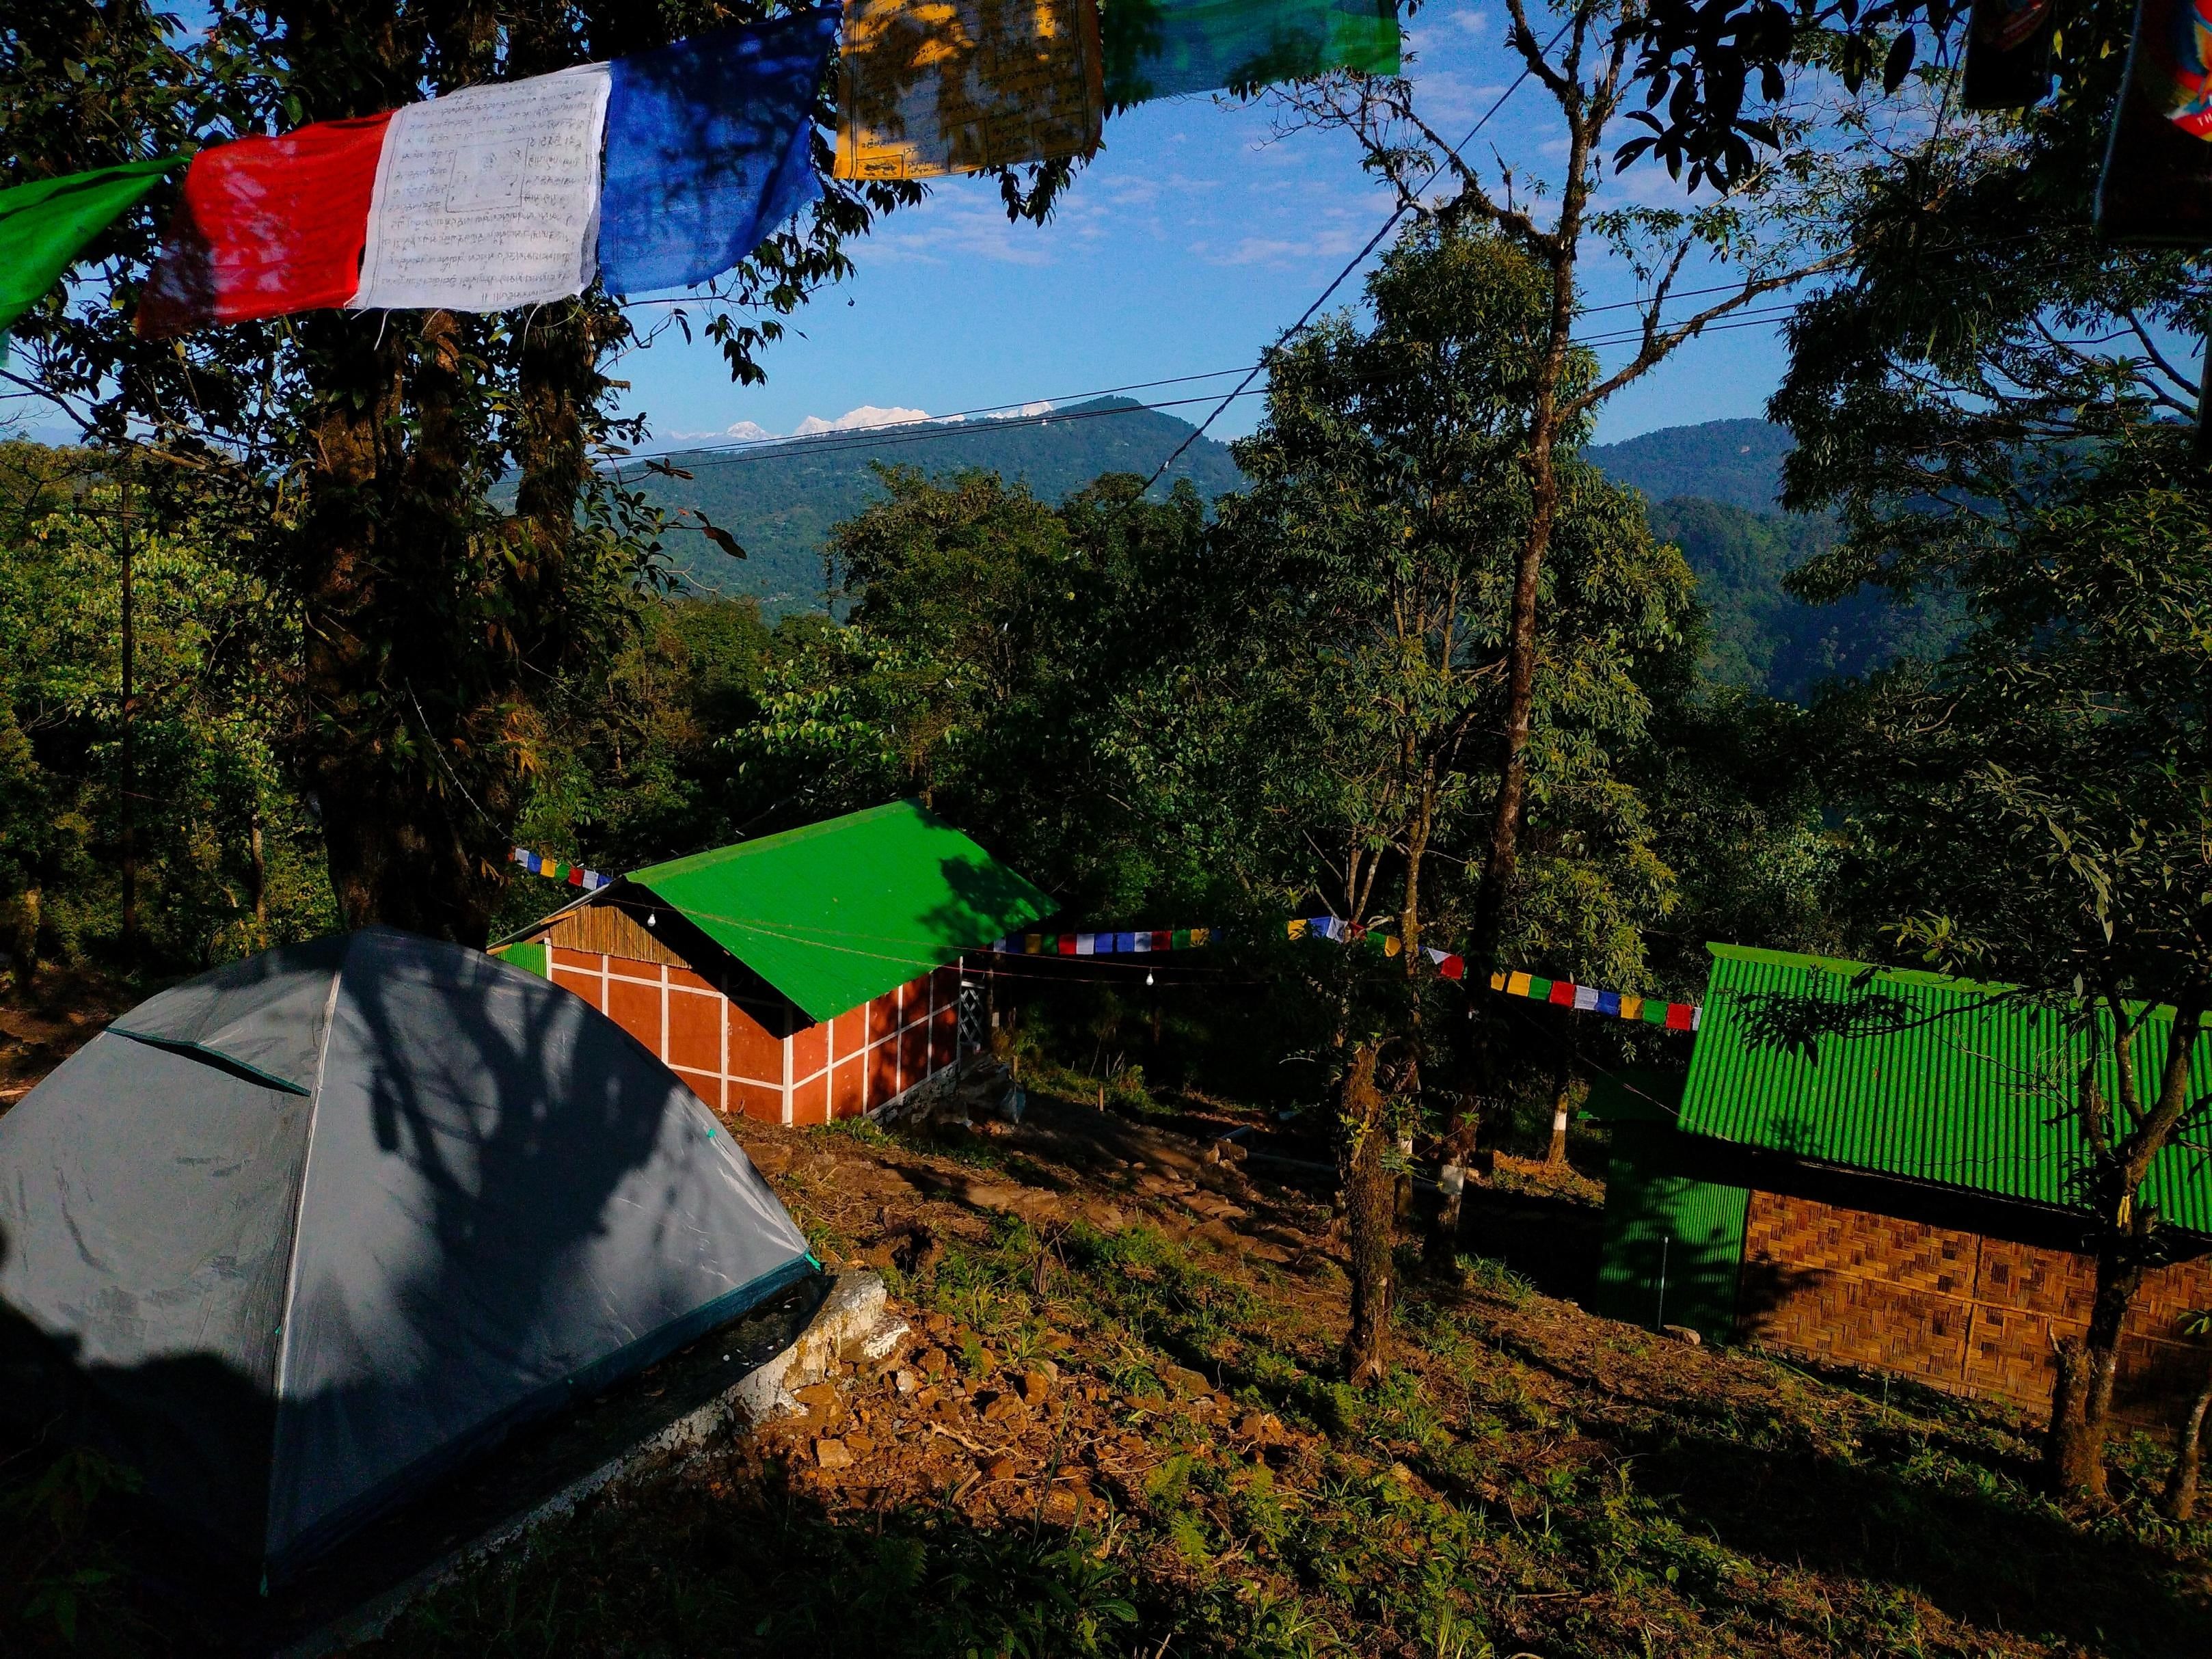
x=573 y=875
x=1588 y=1000
x=44 y=225
x=1105 y=944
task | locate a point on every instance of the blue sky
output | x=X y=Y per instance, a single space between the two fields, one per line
x=1195 y=237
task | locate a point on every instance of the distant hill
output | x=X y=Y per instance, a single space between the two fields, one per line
x=1738 y=462
x=1765 y=638
x=1712 y=489
x=780 y=500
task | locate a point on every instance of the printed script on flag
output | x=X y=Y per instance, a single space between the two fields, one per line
x=489 y=198
x=933 y=86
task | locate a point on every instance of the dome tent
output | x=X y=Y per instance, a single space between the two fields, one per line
x=316 y=1225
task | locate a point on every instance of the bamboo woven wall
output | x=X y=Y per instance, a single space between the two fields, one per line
x=608 y=930
x=1955 y=1310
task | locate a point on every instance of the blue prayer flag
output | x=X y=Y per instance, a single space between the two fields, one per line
x=707 y=149
x=1609 y=1002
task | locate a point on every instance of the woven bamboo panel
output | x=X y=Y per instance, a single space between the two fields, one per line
x=2058 y=1284
x=2009 y=1356
x=610 y=931
x=1908 y=1254
x=1978 y=1314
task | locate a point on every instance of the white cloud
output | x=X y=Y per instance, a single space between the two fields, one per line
x=855 y=420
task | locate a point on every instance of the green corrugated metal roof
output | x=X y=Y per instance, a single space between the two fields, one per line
x=1976 y=1091
x=844 y=911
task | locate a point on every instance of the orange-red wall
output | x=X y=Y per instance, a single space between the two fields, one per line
x=766 y=1059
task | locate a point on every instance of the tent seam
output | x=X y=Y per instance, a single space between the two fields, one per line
x=292 y=1244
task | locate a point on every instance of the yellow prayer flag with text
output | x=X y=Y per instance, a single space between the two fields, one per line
x=1632 y=1008
x=932 y=86
x=1517 y=986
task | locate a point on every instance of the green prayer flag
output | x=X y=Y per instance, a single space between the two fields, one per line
x=1157 y=48
x=1654 y=1012
x=45 y=223
x=1540 y=989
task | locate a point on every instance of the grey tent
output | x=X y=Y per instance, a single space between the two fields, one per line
x=318 y=1225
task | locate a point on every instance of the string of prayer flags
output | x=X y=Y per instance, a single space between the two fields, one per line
x=1588 y=998
x=671 y=165
x=707 y=149
x=573 y=875
x=2008 y=54
x=1105 y=944
x=45 y=224
x=2157 y=186
x=266 y=226
x=933 y=86
x=489 y=198
x=1160 y=48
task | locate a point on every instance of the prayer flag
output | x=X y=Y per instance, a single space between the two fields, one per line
x=1157 y=48
x=1297 y=928
x=1585 y=997
x=1200 y=936
x=1140 y=941
x=2008 y=54
x=1563 y=992
x=1452 y=967
x=1033 y=944
x=933 y=86
x=1678 y=1016
x=1538 y=989
x=1609 y=1002
x=707 y=149
x=1086 y=944
x=1163 y=939
x=44 y=225
x=1654 y=1012
x=266 y=226
x=1391 y=945
x=1068 y=945
x=2157 y=186
x=1517 y=985
x=489 y=198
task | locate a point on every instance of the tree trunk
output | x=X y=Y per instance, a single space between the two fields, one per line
x=2180 y=1502
x=2076 y=1442
x=259 y=867
x=24 y=919
x=1368 y=1197
x=1440 y=1252
x=2071 y=1456
x=1555 y=1155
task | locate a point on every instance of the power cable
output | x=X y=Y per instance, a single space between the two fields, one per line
x=1358 y=259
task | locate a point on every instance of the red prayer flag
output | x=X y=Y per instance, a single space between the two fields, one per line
x=1678 y=1016
x=1163 y=940
x=1068 y=945
x=267 y=226
x=1563 y=992
x=1452 y=967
